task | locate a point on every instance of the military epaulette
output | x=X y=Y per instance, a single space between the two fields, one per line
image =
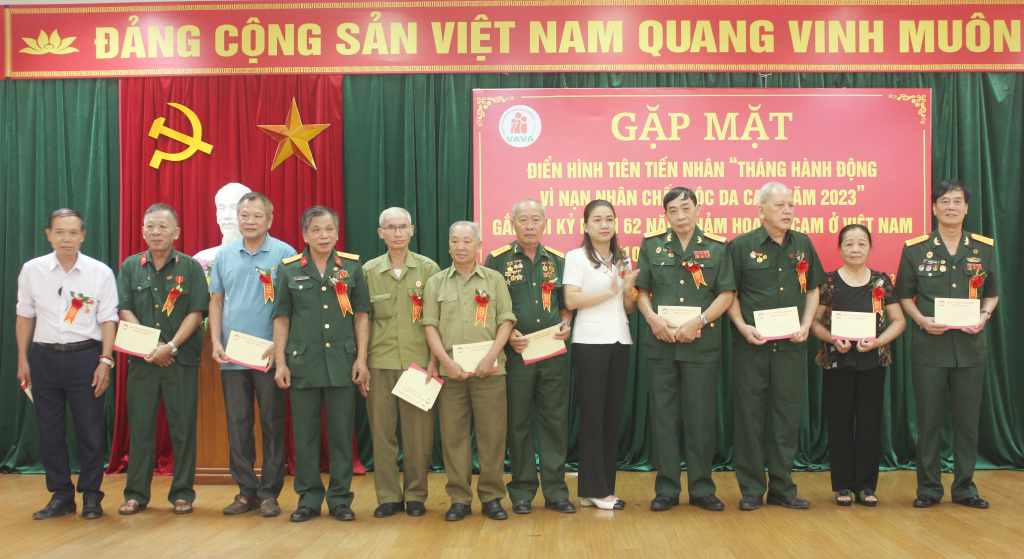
x=916 y=240
x=655 y=233
x=982 y=239
x=291 y=259
x=501 y=250
x=349 y=256
x=557 y=253
x=714 y=237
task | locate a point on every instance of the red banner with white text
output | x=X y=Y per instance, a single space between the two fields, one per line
x=849 y=155
x=512 y=36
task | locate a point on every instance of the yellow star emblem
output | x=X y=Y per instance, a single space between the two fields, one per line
x=293 y=138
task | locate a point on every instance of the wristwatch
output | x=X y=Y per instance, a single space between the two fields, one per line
x=703 y=319
x=174 y=348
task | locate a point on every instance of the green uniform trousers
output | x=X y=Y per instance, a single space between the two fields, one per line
x=684 y=403
x=461 y=405
x=756 y=375
x=963 y=386
x=542 y=387
x=384 y=410
x=307 y=406
x=178 y=386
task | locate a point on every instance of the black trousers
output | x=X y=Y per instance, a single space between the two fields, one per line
x=242 y=389
x=600 y=371
x=62 y=379
x=853 y=407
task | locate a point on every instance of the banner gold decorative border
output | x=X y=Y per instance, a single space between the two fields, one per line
x=7 y=42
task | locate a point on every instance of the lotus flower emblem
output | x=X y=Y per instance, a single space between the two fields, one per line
x=52 y=44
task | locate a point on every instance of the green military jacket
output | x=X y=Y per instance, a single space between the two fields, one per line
x=449 y=304
x=766 y=278
x=525 y=279
x=663 y=273
x=322 y=341
x=144 y=290
x=396 y=335
x=927 y=271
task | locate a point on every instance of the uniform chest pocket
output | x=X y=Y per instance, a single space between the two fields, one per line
x=383 y=304
x=932 y=282
x=141 y=292
x=449 y=305
x=295 y=352
x=302 y=292
x=707 y=268
x=664 y=271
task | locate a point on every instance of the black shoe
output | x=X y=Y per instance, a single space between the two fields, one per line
x=303 y=514
x=55 y=508
x=91 y=509
x=457 y=512
x=788 y=501
x=664 y=502
x=925 y=501
x=562 y=505
x=862 y=498
x=415 y=508
x=751 y=502
x=708 y=502
x=494 y=511
x=975 y=502
x=388 y=509
x=522 y=507
x=343 y=513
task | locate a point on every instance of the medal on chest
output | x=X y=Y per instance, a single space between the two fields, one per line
x=173 y=295
x=341 y=290
x=267 y=279
x=78 y=300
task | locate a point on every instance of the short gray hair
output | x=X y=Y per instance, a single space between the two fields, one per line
x=317 y=211
x=768 y=190
x=390 y=212
x=470 y=224
x=516 y=206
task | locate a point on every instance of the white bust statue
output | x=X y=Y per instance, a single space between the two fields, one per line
x=227 y=219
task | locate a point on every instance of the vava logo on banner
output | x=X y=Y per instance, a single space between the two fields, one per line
x=519 y=126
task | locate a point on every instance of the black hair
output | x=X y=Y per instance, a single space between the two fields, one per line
x=158 y=207
x=317 y=211
x=851 y=227
x=64 y=212
x=618 y=255
x=678 y=192
x=268 y=206
x=947 y=186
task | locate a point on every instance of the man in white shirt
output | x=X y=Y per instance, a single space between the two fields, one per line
x=67 y=305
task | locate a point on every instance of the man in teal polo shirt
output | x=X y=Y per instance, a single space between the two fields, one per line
x=242 y=300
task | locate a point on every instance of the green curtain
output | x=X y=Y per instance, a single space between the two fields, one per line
x=407 y=143
x=58 y=148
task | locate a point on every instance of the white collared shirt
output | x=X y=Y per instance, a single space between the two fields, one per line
x=605 y=322
x=44 y=293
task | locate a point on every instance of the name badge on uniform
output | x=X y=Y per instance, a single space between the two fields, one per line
x=300 y=278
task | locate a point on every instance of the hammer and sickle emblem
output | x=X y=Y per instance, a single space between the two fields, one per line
x=194 y=142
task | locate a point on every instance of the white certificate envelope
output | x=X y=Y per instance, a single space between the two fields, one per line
x=848 y=325
x=677 y=316
x=247 y=351
x=543 y=345
x=413 y=388
x=136 y=339
x=957 y=313
x=777 y=324
x=468 y=356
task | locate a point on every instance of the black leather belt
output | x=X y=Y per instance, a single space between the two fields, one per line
x=77 y=346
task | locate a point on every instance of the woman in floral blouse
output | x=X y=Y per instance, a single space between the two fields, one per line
x=854 y=370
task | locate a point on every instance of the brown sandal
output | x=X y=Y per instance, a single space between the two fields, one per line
x=182 y=506
x=130 y=507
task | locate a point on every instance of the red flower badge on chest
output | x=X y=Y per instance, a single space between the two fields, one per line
x=78 y=300
x=482 y=300
x=801 y=270
x=977 y=280
x=267 y=279
x=546 y=288
x=877 y=297
x=341 y=290
x=696 y=272
x=173 y=295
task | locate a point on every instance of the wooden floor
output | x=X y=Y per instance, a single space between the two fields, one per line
x=893 y=529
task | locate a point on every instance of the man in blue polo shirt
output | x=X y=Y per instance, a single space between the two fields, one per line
x=242 y=299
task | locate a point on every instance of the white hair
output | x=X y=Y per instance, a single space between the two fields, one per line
x=768 y=190
x=517 y=205
x=473 y=226
x=391 y=212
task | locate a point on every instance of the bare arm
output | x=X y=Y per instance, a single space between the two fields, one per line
x=128 y=316
x=810 y=309
x=486 y=365
x=360 y=372
x=987 y=304
x=455 y=371
x=216 y=325
x=749 y=332
x=101 y=376
x=925 y=322
x=23 y=329
x=897 y=324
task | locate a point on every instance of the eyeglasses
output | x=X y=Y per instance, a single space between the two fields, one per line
x=403 y=228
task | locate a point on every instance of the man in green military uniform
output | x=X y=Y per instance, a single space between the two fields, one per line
x=321 y=332
x=163 y=289
x=533 y=273
x=470 y=304
x=682 y=368
x=775 y=267
x=949 y=262
x=396 y=281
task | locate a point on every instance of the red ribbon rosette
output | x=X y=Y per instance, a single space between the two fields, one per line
x=341 y=290
x=172 y=296
x=546 y=288
x=976 y=281
x=481 y=309
x=76 y=304
x=417 y=307
x=268 y=286
x=877 y=297
x=801 y=270
x=698 y=274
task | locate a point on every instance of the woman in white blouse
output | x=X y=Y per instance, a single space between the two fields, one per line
x=598 y=283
